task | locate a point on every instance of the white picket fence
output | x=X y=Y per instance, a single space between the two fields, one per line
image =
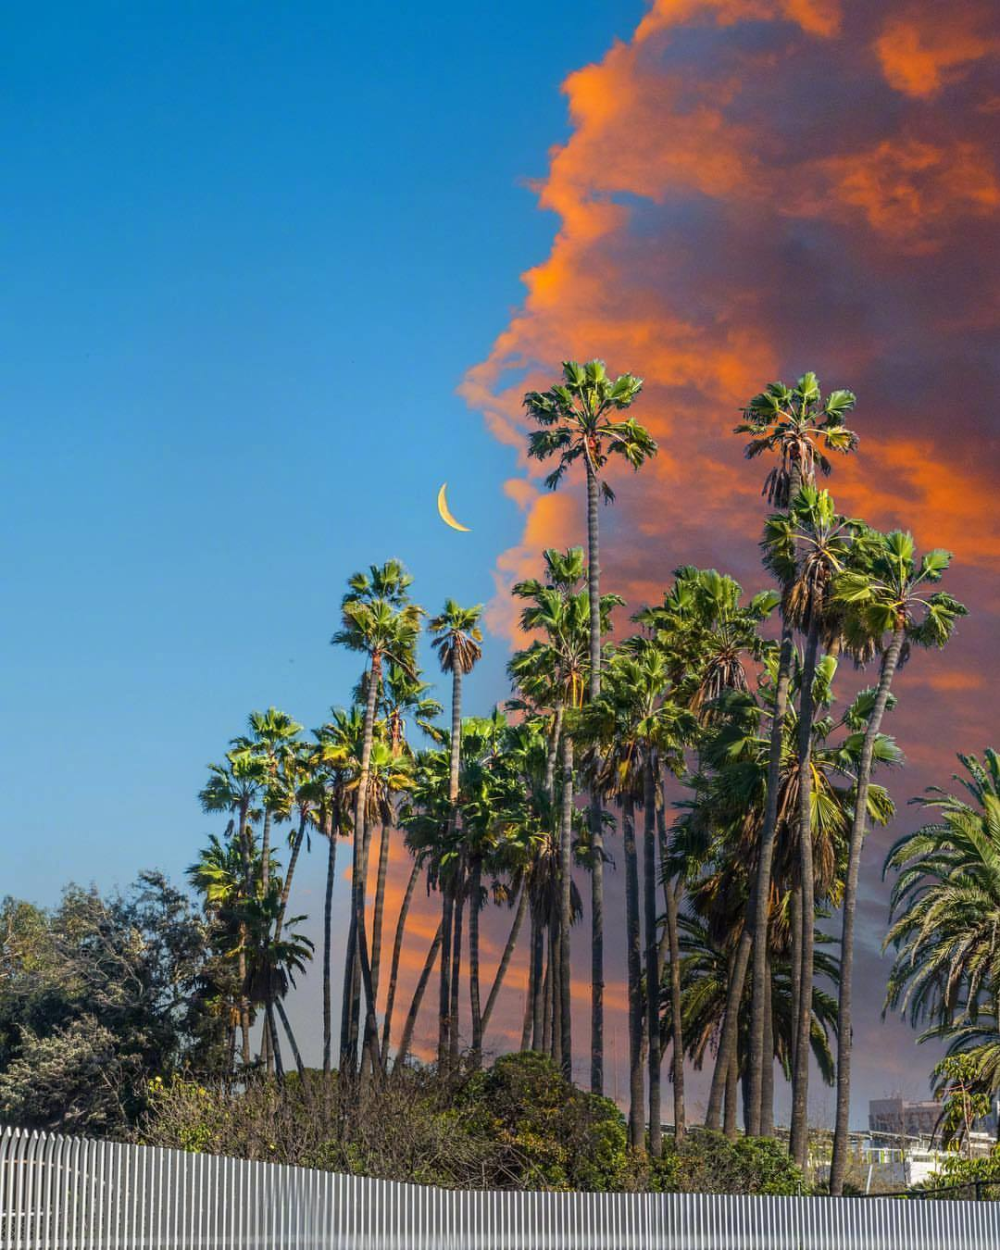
x=73 y=1194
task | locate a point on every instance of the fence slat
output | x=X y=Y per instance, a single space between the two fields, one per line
x=60 y=1193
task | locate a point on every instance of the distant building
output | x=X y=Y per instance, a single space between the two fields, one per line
x=898 y=1117
x=901 y=1118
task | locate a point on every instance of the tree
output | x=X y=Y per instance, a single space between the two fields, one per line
x=806 y=548
x=799 y=425
x=577 y=420
x=379 y=622
x=238 y=786
x=888 y=608
x=561 y=664
x=945 y=914
x=457 y=641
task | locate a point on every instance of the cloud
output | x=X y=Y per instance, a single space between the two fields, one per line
x=752 y=188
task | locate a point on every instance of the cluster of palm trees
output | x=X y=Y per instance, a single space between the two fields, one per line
x=946 y=932
x=710 y=746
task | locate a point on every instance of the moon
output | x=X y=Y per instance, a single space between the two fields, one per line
x=445 y=511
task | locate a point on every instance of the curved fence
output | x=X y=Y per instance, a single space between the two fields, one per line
x=76 y=1194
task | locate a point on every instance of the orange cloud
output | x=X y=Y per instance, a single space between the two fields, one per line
x=923 y=53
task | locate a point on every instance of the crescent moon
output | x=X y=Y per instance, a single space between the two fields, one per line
x=445 y=511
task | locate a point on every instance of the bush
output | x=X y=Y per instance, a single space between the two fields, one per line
x=983 y=1173
x=708 y=1163
x=550 y=1134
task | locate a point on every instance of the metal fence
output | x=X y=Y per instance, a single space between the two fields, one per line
x=85 y=1195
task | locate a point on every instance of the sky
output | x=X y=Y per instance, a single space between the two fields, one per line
x=273 y=276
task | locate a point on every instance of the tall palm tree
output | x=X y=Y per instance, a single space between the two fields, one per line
x=578 y=422
x=708 y=637
x=889 y=609
x=272 y=738
x=457 y=641
x=563 y=616
x=806 y=548
x=378 y=621
x=800 y=426
x=238 y=786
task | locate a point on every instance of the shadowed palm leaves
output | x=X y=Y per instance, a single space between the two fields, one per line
x=946 y=920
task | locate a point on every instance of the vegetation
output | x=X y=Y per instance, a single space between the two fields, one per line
x=714 y=739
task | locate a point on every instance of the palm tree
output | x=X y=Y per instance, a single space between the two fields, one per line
x=708 y=637
x=800 y=426
x=561 y=663
x=378 y=621
x=806 y=548
x=238 y=786
x=888 y=607
x=945 y=904
x=457 y=641
x=577 y=419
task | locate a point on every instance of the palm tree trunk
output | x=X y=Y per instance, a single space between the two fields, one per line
x=331 y=877
x=418 y=994
x=795 y=943
x=799 y=1141
x=555 y=976
x=444 y=982
x=456 y=968
x=547 y=995
x=300 y=1066
x=676 y=1005
x=529 y=998
x=273 y=1049
x=732 y=1095
x=505 y=958
x=379 y=913
x=890 y=661
x=265 y=848
x=636 y=1116
x=565 y=910
x=652 y=955
x=475 y=1008
x=758 y=921
x=766 y=1124
x=595 y=813
x=360 y=866
x=729 y=1038
x=538 y=981
x=397 y=950
x=293 y=859
x=244 y=1005
x=456 y=736
x=552 y=752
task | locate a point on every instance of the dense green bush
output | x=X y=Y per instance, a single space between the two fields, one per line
x=551 y=1134
x=518 y=1125
x=709 y=1163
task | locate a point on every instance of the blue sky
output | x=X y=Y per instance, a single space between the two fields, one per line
x=248 y=253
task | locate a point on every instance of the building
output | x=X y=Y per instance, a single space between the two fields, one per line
x=898 y=1117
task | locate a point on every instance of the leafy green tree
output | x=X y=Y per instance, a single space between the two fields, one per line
x=578 y=422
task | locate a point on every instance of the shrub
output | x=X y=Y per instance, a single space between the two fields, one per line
x=709 y=1163
x=550 y=1134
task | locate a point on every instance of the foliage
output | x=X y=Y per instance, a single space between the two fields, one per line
x=709 y=1163
x=98 y=996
